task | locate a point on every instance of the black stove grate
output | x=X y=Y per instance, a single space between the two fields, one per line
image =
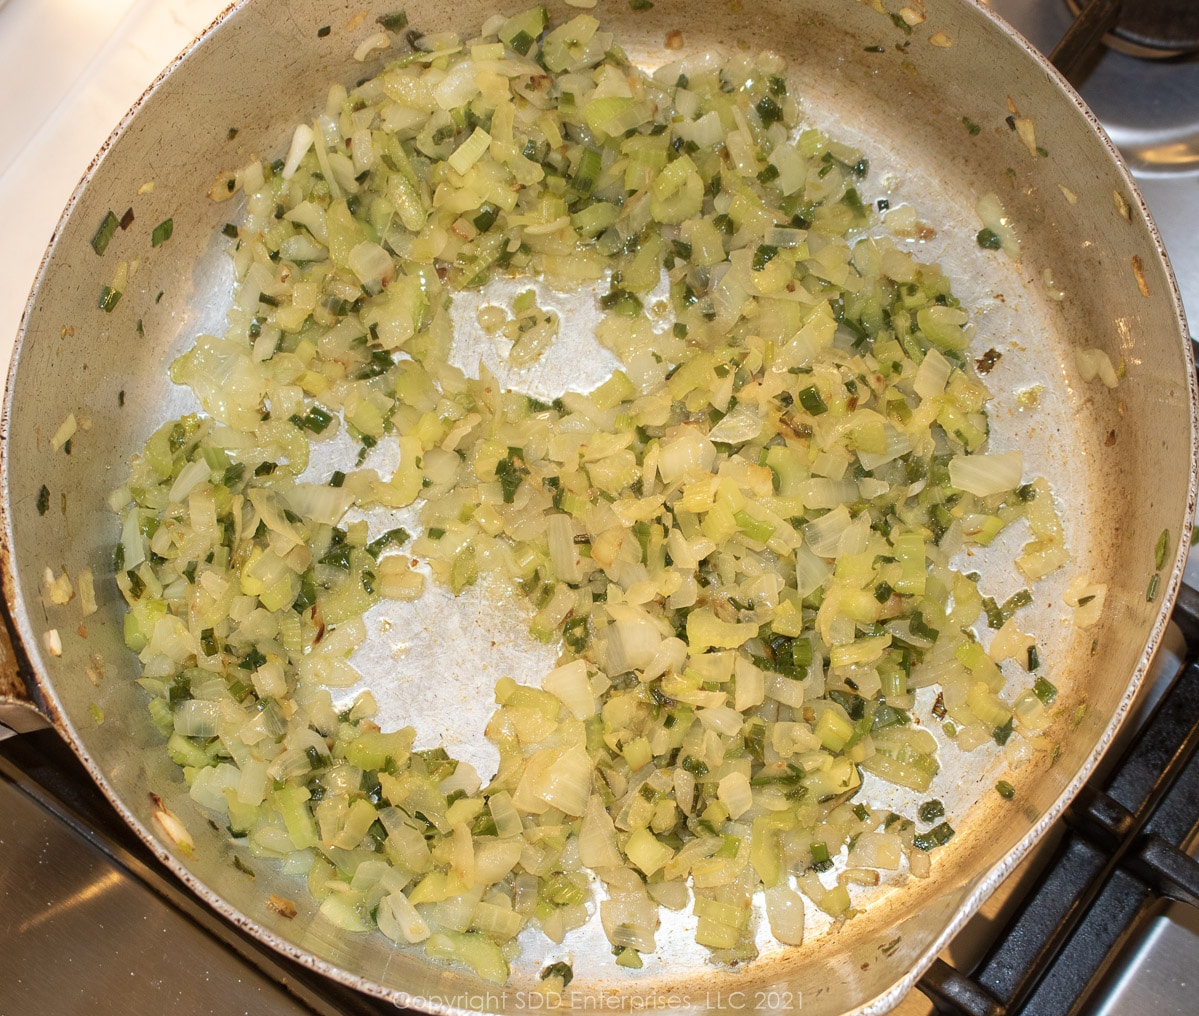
x=1119 y=857
x=1153 y=28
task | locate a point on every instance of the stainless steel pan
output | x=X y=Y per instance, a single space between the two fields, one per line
x=905 y=88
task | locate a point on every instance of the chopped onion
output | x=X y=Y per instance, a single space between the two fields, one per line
x=932 y=374
x=301 y=141
x=785 y=911
x=372 y=264
x=735 y=794
x=196 y=719
x=571 y=684
x=1095 y=363
x=597 y=837
x=984 y=475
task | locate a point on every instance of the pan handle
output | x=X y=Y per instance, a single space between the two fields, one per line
x=22 y=706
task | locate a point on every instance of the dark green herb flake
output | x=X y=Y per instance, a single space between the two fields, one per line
x=522 y=42
x=104 y=233
x=396 y=21
x=763 y=256
x=937 y=836
x=769 y=110
x=1002 y=734
x=988 y=239
x=391 y=538
x=109 y=298
x=811 y=399
x=821 y=861
x=1045 y=691
x=486 y=217
x=930 y=811
x=511 y=471
x=162 y=232
x=316 y=420
x=918 y=627
x=768 y=174
x=561 y=970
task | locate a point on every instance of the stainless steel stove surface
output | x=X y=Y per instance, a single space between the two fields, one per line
x=84 y=923
x=1150 y=109
x=88 y=923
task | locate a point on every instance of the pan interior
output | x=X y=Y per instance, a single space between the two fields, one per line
x=1119 y=460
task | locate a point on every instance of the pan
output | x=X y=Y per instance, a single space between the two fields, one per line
x=949 y=105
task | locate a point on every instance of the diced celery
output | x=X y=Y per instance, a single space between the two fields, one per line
x=833 y=730
x=471 y=949
x=521 y=30
x=716 y=935
x=371 y=749
x=646 y=852
x=910 y=553
x=292 y=802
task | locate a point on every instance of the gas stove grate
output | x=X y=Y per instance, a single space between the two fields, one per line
x=1118 y=859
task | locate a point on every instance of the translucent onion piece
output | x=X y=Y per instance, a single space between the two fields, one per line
x=984 y=475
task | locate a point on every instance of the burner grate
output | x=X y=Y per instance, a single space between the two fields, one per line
x=1153 y=28
x=1119 y=858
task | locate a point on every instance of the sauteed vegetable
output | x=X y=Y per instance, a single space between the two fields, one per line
x=741 y=541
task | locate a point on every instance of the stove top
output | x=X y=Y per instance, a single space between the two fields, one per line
x=1149 y=109
x=1110 y=889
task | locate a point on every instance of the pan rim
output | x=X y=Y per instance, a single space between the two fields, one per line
x=992 y=878
x=986 y=882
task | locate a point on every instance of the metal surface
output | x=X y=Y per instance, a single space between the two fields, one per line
x=1077 y=936
x=131 y=952
x=1136 y=481
x=1156 y=972
x=1019 y=890
x=1077 y=47
x=1155 y=28
x=1148 y=109
x=42 y=769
